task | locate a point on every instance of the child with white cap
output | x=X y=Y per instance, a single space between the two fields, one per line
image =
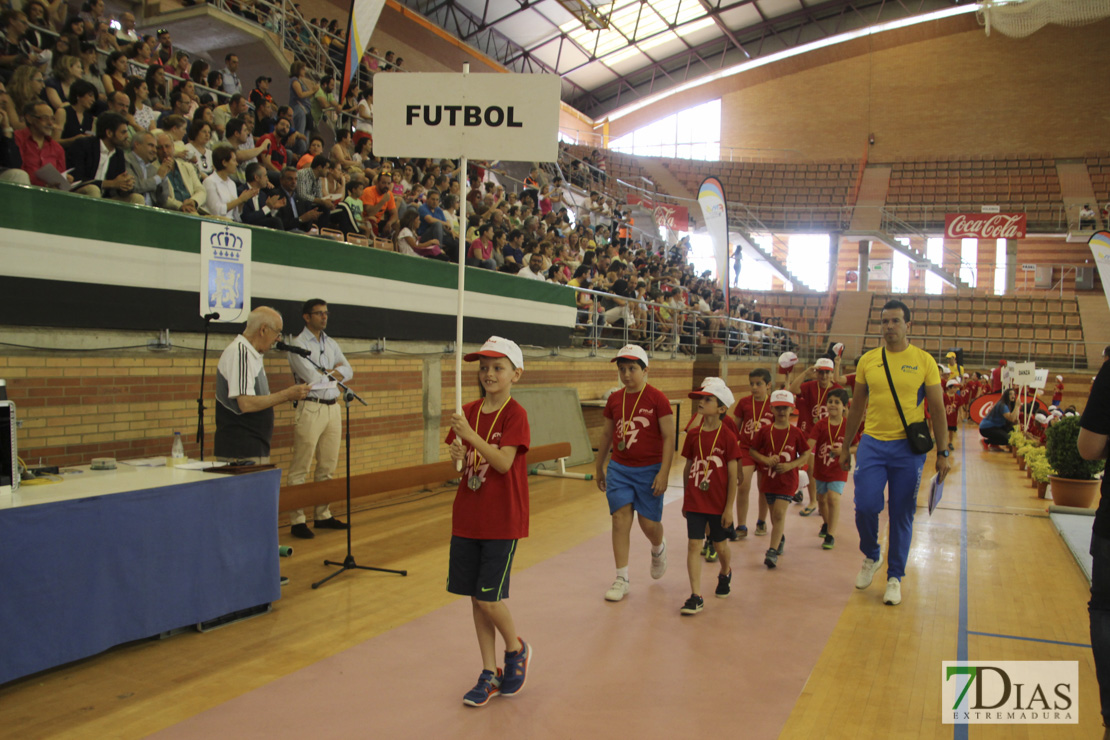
x=780 y=450
x=490 y=513
x=1058 y=391
x=954 y=400
x=710 y=479
x=811 y=391
x=639 y=418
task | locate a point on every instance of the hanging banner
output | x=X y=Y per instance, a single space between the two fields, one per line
x=364 y=17
x=512 y=117
x=1100 y=248
x=667 y=215
x=711 y=198
x=225 y=271
x=984 y=226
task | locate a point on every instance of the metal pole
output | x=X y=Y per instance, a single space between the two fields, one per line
x=462 y=282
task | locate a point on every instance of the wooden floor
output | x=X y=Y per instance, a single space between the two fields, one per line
x=878 y=675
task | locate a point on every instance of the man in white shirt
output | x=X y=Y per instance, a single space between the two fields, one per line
x=230 y=72
x=127 y=32
x=534 y=269
x=317 y=425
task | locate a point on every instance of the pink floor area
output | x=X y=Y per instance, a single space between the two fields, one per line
x=629 y=669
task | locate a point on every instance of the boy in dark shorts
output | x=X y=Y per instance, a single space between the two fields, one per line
x=639 y=417
x=491 y=437
x=780 y=450
x=953 y=402
x=709 y=488
x=825 y=442
x=752 y=414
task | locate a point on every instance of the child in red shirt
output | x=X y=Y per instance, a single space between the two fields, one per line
x=953 y=402
x=1058 y=391
x=709 y=488
x=810 y=398
x=825 y=442
x=780 y=450
x=491 y=437
x=752 y=414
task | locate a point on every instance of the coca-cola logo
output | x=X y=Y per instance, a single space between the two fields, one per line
x=984 y=226
x=675 y=218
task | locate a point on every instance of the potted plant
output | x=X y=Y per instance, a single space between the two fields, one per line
x=1017 y=439
x=1031 y=455
x=1040 y=471
x=1075 y=482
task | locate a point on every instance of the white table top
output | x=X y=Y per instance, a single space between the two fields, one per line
x=83 y=483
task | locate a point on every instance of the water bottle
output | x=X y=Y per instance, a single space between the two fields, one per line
x=177 y=453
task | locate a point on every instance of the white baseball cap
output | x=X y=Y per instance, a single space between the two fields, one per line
x=824 y=363
x=632 y=352
x=1060 y=378
x=782 y=398
x=499 y=347
x=715 y=387
x=788 y=360
x=838 y=349
x=952 y=382
x=1040 y=419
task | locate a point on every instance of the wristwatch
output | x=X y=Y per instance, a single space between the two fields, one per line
x=944 y=453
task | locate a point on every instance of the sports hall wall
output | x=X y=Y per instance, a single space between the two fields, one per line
x=936 y=89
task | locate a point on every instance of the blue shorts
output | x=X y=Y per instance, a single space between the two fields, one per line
x=626 y=485
x=771 y=498
x=836 y=486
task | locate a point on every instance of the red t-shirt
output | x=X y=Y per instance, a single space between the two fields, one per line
x=498 y=510
x=811 y=402
x=35 y=157
x=850 y=382
x=826 y=466
x=972 y=388
x=278 y=156
x=952 y=406
x=643 y=440
x=710 y=453
x=996 y=380
x=746 y=418
x=1058 y=392
x=785 y=445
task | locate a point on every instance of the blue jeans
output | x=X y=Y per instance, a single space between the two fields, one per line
x=300 y=118
x=1099 y=609
x=879 y=463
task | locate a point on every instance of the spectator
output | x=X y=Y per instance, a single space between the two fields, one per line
x=197 y=152
x=480 y=253
x=14 y=50
x=140 y=164
x=75 y=119
x=1086 y=217
x=186 y=193
x=434 y=226
x=261 y=209
x=36 y=145
x=379 y=209
x=301 y=92
x=325 y=103
x=342 y=152
x=230 y=73
x=364 y=115
x=410 y=243
x=261 y=91
x=156 y=88
x=102 y=161
x=224 y=200
x=513 y=251
x=126 y=32
x=67 y=69
x=277 y=158
x=310 y=190
x=233 y=108
x=315 y=149
x=534 y=269
x=105 y=38
x=265 y=116
x=995 y=428
x=240 y=139
x=143 y=115
x=298 y=141
x=296 y=214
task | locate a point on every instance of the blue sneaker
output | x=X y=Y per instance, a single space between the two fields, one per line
x=516 y=670
x=488 y=686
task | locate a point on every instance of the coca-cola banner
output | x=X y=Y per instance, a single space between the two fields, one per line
x=675 y=218
x=984 y=226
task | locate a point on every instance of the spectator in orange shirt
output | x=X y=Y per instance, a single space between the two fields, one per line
x=378 y=207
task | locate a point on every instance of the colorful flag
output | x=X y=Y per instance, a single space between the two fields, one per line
x=364 y=16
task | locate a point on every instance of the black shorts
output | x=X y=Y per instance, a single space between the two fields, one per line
x=953 y=429
x=695 y=526
x=480 y=568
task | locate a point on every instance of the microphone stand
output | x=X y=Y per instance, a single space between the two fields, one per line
x=349 y=561
x=203 y=370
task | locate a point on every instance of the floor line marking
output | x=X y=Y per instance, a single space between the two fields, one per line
x=960 y=731
x=1029 y=639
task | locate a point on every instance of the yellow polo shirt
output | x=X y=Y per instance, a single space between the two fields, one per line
x=911 y=370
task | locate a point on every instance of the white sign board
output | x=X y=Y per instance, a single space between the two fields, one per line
x=225 y=271
x=880 y=270
x=484 y=116
x=1024 y=373
x=1007 y=375
x=1027 y=267
x=1040 y=378
x=990 y=209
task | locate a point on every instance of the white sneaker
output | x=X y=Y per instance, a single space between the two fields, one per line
x=659 y=562
x=617 y=591
x=893 y=595
x=867 y=572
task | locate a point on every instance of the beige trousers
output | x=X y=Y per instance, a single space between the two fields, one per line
x=316 y=435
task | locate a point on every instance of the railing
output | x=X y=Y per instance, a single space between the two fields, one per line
x=977 y=354
x=921 y=218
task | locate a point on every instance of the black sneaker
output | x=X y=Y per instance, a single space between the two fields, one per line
x=797 y=497
x=829 y=542
x=693 y=605
x=731 y=533
x=711 y=554
x=824 y=530
x=782 y=544
x=771 y=559
x=330 y=523
x=723 y=585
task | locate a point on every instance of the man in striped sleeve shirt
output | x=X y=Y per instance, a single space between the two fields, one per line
x=245 y=406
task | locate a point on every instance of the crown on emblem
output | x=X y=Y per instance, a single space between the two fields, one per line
x=226 y=244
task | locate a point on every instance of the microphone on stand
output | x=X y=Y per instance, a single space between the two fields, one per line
x=283 y=347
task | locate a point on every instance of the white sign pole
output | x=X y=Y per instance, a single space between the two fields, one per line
x=462 y=280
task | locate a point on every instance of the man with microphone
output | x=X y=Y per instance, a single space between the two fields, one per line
x=316 y=431
x=245 y=405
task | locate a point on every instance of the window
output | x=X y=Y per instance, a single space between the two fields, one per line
x=1000 y=267
x=807 y=257
x=754 y=273
x=694 y=133
x=934 y=250
x=900 y=275
x=969 y=261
